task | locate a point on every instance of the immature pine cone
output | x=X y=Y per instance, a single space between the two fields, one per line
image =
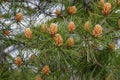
x=87 y=26
x=71 y=27
x=97 y=30
x=58 y=12
x=6 y=32
x=53 y=29
x=18 y=61
x=46 y=70
x=70 y=42
x=19 y=17
x=107 y=8
x=72 y=10
x=44 y=28
x=58 y=40
x=38 y=78
x=28 y=33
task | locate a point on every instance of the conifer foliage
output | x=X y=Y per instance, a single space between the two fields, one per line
x=81 y=43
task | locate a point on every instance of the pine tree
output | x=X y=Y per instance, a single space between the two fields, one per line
x=76 y=41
